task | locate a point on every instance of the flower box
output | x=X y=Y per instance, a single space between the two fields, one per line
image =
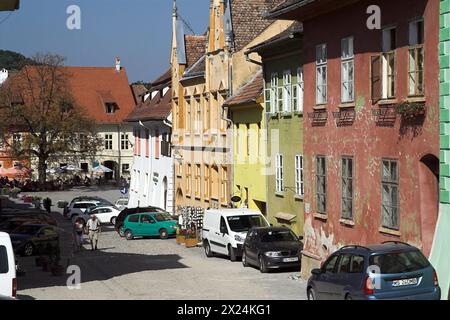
x=180 y=239
x=191 y=242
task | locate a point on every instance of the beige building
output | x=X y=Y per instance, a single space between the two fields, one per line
x=205 y=72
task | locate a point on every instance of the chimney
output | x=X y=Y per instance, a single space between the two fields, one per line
x=118 y=64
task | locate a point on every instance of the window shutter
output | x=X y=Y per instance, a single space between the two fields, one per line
x=156 y=144
x=375 y=70
x=267 y=100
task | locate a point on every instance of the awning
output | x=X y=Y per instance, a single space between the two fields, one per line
x=285 y=216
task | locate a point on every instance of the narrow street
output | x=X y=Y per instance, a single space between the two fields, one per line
x=152 y=269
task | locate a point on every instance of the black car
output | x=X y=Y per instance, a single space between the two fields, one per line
x=272 y=248
x=126 y=212
x=29 y=239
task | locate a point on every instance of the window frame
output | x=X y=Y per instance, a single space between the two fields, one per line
x=108 y=141
x=348 y=61
x=351 y=179
x=299 y=175
x=287 y=91
x=416 y=48
x=279 y=183
x=298 y=91
x=324 y=176
x=322 y=66
x=392 y=184
x=388 y=72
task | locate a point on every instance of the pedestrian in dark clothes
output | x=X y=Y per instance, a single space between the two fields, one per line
x=48 y=204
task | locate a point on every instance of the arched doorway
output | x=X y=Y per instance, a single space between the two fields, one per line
x=165 y=192
x=113 y=166
x=429 y=199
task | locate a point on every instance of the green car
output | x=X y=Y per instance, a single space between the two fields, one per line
x=149 y=225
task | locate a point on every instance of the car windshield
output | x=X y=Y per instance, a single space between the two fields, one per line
x=27 y=229
x=399 y=262
x=279 y=235
x=162 y=217
x=245 y=223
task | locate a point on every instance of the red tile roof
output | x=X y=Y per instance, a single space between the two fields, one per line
x=249 y=92
x=195 y=48
x=138 y=91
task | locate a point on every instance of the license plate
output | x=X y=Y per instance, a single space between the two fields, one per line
x=404 y=282
x=290 y=259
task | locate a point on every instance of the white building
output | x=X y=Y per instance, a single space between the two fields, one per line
x=152 y=170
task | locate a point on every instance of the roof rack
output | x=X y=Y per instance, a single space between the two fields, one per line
x=397 y=242
x=355 y=246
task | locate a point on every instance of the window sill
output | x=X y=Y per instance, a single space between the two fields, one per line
x=300 y=113
x=347 y=222
x=279 y=194
x=299 y=197
x=320 y=216
x=349 y=105
x=391 y=232
x=385 y=102
x=320 y=107
x=416 y=99
x=286 y=114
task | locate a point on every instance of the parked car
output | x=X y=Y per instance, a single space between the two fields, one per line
x=128 y=211
x=30 y=239
x=149 y=225
x=105 y=214
x=224 y=230
x=78 y=208
x=272 y=248
x=86 y=198
x=8 y=280
x=122 y=203
x=392 y=270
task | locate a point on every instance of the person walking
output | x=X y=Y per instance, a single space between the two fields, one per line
x=48 y=204
x=93 y=228
x=78 y=229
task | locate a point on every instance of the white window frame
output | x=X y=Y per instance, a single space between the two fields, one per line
x=321 y=69
x=387 y=71
x=124 y=141
x=279 y=173
x=298 y=91
x=299 y=177
x=415 y=50
x=347 y=64
x=287 y=91
x=108 y=141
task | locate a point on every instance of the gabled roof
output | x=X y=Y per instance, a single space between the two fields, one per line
x=294 y=31
x=138 y=91
x=195 y=48
x=248 y=93
x=198 y=69
x=157 y=108
x=248 y=19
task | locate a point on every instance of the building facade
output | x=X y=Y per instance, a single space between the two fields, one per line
x=152 y=172
x=371 y=138
x=283 y=112
x=440 y=255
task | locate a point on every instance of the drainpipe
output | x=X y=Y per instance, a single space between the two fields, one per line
x=119 y=169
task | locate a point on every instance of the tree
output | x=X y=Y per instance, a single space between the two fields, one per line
x=41 y=119
x=11 y=60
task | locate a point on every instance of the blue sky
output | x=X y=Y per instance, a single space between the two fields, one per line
x=139 y=31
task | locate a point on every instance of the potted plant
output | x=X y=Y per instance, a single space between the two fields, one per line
x=191 y=239
x=180 y=236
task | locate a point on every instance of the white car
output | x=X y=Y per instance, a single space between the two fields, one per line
x=225 y=230
x=78 y=208
x=122 y=203
x=8 y=280
x=105 y=214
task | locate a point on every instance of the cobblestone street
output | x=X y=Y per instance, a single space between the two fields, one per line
x=152 y=269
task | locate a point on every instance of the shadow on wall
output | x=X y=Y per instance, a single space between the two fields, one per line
x=98 y=266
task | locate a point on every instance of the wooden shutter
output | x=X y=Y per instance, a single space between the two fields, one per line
x=375 y=78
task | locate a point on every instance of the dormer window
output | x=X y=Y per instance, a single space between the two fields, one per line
x=110 y=108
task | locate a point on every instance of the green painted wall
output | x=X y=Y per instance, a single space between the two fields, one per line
x=249 y=170
x=440 y=254
x=285 y=136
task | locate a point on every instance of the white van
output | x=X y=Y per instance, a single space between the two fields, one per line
x=224 y=230
x=8 y=284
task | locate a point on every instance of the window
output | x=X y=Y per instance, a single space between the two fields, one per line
x=84 y=167
x=110 y=108
x=188 y=115
x=83 y=141
x=108 y=141
x=321 y=74
x=214 y=180
x=124 y=142
x=400 y=262
x=198 y=116
x=321 y=184
x=357 y=265
x=389 y=190
x=299 y=186
x=247 y=126
x=388 y=63
x=134 y=218
x=298 y=91
x=224 y=185
x=188 y=179
x=330 y=264
x=207 y=122
x=271 y=94
x=176 y=122
x=197 y=181
x=347 y=188
x=344 y=263
x=125 y=168
x=4 y=267
x=279 y=174
x=206 y=182
x=416 y=58
x=287 y=91
x=347 y=70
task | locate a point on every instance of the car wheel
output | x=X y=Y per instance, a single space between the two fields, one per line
x=129 y=235
x=121 y=232
x=207 y=247
x=262 y=265
x=28 y=249
x=232 y=253
x=113 y=221
x=244 y=259
x=163 y=234
x=311 y=294
x=348 y=297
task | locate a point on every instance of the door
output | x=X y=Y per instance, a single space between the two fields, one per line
x=132 y=223
x=323 y=280
x=341 y=278
x=250 y=247
x=148 y=227
x=7 y=268
x=220 y=238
